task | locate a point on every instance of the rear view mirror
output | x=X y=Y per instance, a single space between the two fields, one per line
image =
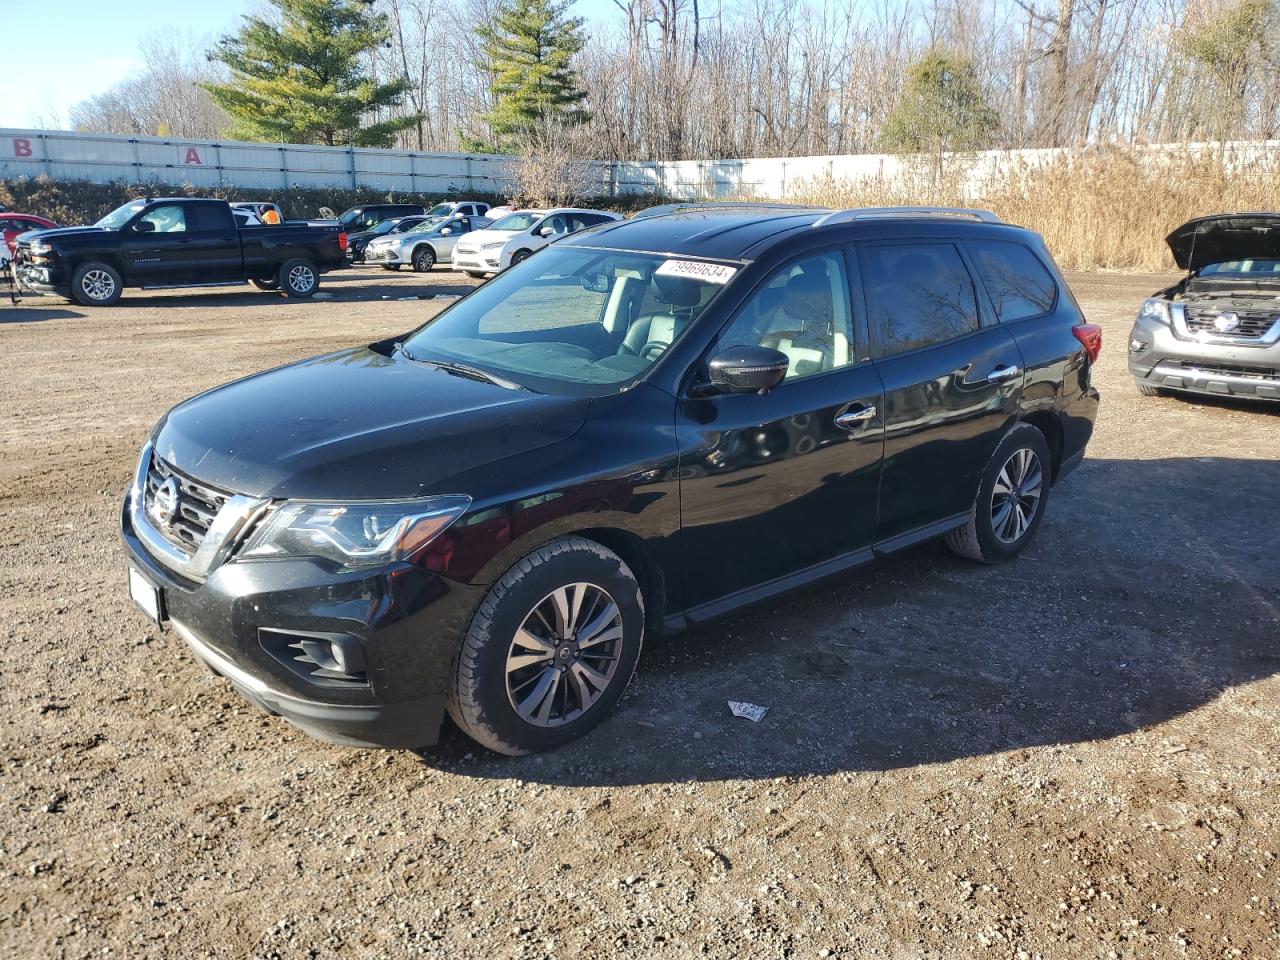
x=596 y=282
x=144 y=226
x=745 y=369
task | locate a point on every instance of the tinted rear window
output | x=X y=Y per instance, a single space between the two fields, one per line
x=918 y=294
x=1018 y=283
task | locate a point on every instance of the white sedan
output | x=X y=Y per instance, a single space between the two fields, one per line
x=422 y=247
x=518 y=235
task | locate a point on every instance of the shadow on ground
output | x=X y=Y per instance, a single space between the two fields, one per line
x=1153 y=587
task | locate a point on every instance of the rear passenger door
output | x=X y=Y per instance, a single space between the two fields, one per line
x=211 y=247
x=952 y=379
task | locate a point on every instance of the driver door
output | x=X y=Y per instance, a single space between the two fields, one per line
x=445 y=242
x=781 y=488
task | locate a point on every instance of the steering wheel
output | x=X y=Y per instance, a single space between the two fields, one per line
x=652 y=350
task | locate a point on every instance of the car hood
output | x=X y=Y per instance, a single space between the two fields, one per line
x=63 y=233
x=357 y=424
x=1227 y=236
x=477 y=238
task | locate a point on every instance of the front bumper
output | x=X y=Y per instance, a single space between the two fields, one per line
x=386 y=255
x=45 y=278
x=478 y=261
x=406 y=621
x=1192 y=364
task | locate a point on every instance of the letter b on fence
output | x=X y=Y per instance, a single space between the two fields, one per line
x=21 y=147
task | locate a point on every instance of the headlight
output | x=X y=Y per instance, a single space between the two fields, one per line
x=39 y=248
x=354 y=533
x=1154 y=309
x=493 y=246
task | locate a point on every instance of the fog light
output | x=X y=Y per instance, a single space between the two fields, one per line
x=1137 y=346
x=324 y=658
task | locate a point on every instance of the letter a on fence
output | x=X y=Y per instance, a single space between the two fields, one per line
x=193 y=156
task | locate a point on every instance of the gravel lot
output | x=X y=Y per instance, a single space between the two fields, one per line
x=1074 y=755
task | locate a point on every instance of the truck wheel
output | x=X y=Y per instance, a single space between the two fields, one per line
x=96 y=284
x=1011 y=499
x=424 y=258
x=273 y=284
x=549 y=650
x=298 y=279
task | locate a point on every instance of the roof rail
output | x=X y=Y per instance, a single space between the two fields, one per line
x=871 y=213
x=669 y=208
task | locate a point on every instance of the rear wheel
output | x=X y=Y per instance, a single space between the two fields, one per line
x=549 y=650
x=1011 y=499
x=424 y=258
x=298 y=279
x=272 y=284
x=96 y=284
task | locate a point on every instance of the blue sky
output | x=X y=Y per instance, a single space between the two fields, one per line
x=88 y=45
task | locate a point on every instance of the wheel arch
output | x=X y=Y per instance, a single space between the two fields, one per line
x=418 y=246
x=636 y=554
x=1048 y=423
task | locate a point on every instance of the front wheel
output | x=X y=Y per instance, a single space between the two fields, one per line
x=391 y=266
x=424 y=258
x=96 y=285
x=1147 y=390
x=549 y=650
x=520 y=256
x=1011 y=499
x=298 y=279
x=475 y=274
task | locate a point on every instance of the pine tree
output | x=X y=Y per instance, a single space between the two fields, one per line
x=941 y=108
x=302 y=81
x=529 y=46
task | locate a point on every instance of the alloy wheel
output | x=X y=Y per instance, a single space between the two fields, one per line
x=301 y=279
x=564 y=655
x=98 y=285
x=1015 y=496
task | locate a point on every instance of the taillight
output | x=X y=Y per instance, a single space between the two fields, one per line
x=342 y=240
x=1090 y=337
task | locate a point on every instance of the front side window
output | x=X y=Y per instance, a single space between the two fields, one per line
x=169 y=218
x=515 y=222
x=802 y=311
x=918 y=294
x=118 y=217
x=1017 y=282
x=569 y=321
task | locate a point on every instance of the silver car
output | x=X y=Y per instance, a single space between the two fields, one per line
x=427 y=244
x=1216 y=331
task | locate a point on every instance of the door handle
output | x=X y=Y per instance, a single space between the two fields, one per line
x=1004 y=374
x=852 y=418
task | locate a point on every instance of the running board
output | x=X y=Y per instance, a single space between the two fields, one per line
x=184 y=286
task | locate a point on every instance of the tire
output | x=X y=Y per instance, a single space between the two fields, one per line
x=475 y=274
x=298 y=279
x=95 y=284
x=519 y=256
x=391 y=266
x=488 y=694
x=424 y=258
x=1147 y=390
x=269 y=285
x=992 y=535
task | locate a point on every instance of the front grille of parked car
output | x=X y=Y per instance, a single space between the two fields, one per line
x=198 y=504
x=1229 y=370
x=1253 y=323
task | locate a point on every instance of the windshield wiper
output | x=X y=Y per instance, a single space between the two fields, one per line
x=462 y=370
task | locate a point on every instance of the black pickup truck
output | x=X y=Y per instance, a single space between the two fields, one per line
x=176 y=242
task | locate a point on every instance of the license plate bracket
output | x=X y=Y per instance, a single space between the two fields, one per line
x=146 y=596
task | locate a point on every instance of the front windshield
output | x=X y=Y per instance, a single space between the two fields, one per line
x=426 y=225
x=572 y=320
x=1251 y=268
x=386 y=226
x=515 y=221
x=349 y=215
x=440 y=209
x=118 y=217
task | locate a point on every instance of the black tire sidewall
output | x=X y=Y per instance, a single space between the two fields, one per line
x=419 y=252
x=282 y=278
x=488 y=698
x=520 y=256
x=995 y=550
x=78 y=294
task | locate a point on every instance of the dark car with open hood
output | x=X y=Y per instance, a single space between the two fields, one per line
x=1217 y=330
x=643 y=427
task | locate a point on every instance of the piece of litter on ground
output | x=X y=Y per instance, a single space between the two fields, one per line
x=322 y=296
x=752 y=711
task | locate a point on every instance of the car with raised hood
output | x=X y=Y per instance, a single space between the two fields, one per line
x=162 y=242
x=648 y=425
x=365 y=215
x=422 y=246
x=1217 y=330
x=519 y=235
x=12 y=226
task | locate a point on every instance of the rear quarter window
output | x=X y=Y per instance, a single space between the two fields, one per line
x=1018 y=284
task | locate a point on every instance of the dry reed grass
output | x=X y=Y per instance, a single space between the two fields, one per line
x=1102 y=208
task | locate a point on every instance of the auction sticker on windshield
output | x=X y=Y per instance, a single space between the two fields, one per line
x=697 y=270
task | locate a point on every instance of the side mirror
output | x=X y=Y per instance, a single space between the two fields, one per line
x=745 y=369
x=547 y=232
x=444 y=231
x=144 y=226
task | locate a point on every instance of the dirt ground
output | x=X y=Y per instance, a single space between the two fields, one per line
x=1074 y=755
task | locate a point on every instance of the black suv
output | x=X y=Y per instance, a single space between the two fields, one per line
x=644 y=426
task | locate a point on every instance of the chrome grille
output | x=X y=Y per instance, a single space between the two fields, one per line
x=198 y=505
x=1253 y=323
